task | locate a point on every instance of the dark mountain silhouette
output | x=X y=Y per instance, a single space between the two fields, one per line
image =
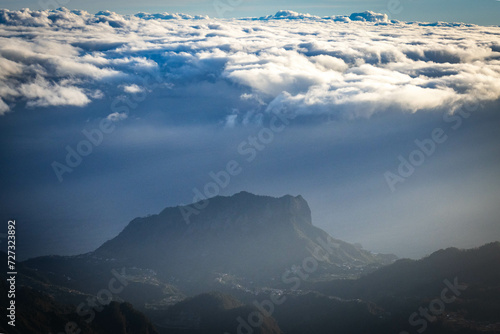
x=211 y=313
x=379 y=302
x=421 y=278
x=250 y=236
x=243 y=241
x=312 y=312
x=245 y=248
x=407 y=285
x=39 y=313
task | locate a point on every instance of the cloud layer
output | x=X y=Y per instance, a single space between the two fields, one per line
x=345 y=66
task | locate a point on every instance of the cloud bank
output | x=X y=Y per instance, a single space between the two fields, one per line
x=344 y=66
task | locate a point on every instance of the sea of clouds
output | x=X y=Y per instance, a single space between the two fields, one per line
x=185 y=91
x=344 y=66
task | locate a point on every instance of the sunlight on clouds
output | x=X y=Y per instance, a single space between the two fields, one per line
x=347 y=66
x=132 y=89
x=42 y=93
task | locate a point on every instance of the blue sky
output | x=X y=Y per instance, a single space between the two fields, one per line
x=483 y=12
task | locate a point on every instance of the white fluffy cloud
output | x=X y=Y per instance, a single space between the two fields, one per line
x=42 y=93
x=132 y=89
x=351 y=66
x=116 y=117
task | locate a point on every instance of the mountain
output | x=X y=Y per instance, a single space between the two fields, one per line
x=253 y=237
x=270 y=271
x=387 y=300
x=383 y=301
x=212 y=312
x=40 y=313
x=463 y=285
x=421 y=278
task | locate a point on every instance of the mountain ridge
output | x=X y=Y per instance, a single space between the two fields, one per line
x=379 y=302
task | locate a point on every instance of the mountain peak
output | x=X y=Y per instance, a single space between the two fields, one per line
x=243 y=204
x=246 y=235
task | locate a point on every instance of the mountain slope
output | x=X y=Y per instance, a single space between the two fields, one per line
x=39 y=313
x=476 y=267
x=256 y=237
x=467 y=282
x=212 y=312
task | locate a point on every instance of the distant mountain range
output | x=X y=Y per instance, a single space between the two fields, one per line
x=254 y=264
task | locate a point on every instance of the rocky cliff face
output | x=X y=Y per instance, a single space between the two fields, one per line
x=256 y=237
